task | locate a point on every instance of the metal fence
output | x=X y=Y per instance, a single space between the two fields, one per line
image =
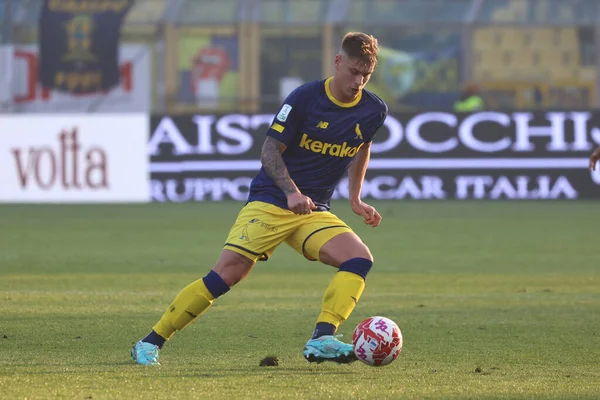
x=245 y=55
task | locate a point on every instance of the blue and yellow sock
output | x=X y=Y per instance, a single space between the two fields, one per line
x=341 y=295
x=189 y=304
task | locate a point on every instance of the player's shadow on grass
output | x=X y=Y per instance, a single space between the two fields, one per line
x=223 y=372
x=256 y=371
x=74 y=364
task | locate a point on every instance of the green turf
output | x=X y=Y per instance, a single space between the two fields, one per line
x=495 y=300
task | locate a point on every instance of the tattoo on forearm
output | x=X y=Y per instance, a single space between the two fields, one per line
x=273 y=164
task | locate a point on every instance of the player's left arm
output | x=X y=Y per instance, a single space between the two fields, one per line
x=594 y=158
x=356 y=177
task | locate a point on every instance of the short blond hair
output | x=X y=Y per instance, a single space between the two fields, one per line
x=361 y=46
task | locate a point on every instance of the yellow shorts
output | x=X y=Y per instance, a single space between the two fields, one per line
x=261 y=227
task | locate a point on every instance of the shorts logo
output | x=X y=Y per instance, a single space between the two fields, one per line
x=323 y=124
x=284 y=112
x=336 y=150
x=244 y=235
x=264 y=225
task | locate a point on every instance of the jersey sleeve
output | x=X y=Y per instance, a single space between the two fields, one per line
x=287 y=122
x=379 y=121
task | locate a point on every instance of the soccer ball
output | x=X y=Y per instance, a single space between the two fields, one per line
x=377 y=341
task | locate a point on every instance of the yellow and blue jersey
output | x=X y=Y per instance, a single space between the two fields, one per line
x=322 y=136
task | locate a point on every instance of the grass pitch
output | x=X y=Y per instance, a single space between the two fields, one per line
x=495 y=301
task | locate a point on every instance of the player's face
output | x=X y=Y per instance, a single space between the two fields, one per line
x=352 y=74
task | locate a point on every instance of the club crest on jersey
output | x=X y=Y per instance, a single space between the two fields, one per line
x=358 y=132
x=331 y=149
x=284 y=112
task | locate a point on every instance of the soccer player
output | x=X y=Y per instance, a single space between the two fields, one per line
x=323 y=129
x=594 y=158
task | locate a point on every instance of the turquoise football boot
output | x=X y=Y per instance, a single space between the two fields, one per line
x=329 y=348
x=145 y=353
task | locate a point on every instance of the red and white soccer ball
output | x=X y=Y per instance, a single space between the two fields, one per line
x=377 y=341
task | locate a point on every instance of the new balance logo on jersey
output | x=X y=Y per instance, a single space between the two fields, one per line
x=358 y=133
x=322 y=124
x=336 y=150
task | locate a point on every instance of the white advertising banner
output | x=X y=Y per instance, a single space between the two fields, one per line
x=132 y=95
x=74 y=158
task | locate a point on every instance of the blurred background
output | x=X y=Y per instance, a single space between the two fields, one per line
x=181 y=56
x=487 y=256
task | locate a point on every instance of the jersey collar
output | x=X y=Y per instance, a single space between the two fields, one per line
x=336 y=101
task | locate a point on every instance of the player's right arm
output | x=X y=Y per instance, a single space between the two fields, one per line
x=281 y=133
x=272 y=162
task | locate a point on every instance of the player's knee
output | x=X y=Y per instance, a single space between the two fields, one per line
x=360 y=250
x=358 y=265
x=215 y=284
x=342 y=248
x=232 y=267
x=366 y=253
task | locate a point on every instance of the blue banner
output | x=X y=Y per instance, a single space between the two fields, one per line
x=79 y=44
